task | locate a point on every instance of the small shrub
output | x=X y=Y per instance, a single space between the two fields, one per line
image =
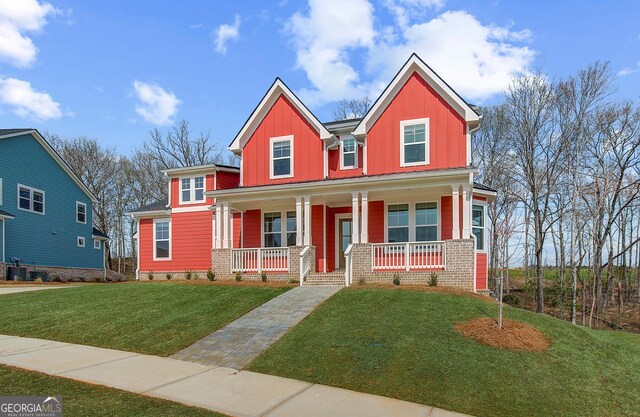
x=512 y=300
x=361 y=281
x=150 y=275
x=82 y=279
x=56 y=278
x=188 y=274
x=211 y=276
x=169 y=276
x=238 y=276
x=38 y=280
x=396 y=279
x=293 y=281
x=98 y=279
x=433 y=280
x=263 y=275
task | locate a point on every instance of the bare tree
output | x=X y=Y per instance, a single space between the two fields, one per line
x=351 y=109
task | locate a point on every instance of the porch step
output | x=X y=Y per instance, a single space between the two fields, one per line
x=330 y=278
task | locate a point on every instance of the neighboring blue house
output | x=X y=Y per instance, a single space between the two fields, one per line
x=45 y=210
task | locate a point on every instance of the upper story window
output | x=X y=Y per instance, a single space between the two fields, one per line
x=30 y=199
x=478 y=225
x=81 y=212
x=192 y=190
x=161 y=239
x=281 y=157
x=414 y=142
x=348 y=154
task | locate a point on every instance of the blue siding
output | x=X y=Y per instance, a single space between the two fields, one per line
x=1 y=239
x=48 y=239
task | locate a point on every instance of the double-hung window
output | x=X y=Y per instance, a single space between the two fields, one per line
x=272 y=230
x=414 y=142
x=30 y=199
x=276 y=231
x=398 y=223
x=192 y=190
x=348 y=153
x=81 y=212
x=426 y=222
x=478 y=225
x=161 y=239
x=281 y=157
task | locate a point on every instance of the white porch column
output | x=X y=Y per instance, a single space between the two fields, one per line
x=299 y=239
x=218 y=226
x=466 y=206
x=355 y=213
x=307 y=220
x=226 y=241
x=364 y=230
x=455 y=204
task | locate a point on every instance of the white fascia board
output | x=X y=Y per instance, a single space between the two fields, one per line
x=415 y=64
x=277 y=88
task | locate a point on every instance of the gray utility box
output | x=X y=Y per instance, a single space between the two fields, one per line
x=16 y=273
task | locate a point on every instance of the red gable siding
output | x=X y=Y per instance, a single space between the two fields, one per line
x=447 y=131
x=282 y=120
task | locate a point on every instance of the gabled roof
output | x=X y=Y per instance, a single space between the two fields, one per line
x=415 y=64
x=155 y=206
x=277 y=89
x=6 y=215
x=484 y=187
x=198 y=168
x=9 y=133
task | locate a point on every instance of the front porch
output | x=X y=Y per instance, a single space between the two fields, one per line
x=409 y=229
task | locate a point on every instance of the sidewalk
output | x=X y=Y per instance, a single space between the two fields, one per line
x=236 y=393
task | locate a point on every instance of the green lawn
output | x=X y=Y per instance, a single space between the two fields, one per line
x=152 y=318
x=86 y=400
x=401 y=344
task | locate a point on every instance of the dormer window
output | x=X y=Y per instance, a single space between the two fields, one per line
x=281 y=157
x=414 y=142
x=348 y=153
x=192 y=190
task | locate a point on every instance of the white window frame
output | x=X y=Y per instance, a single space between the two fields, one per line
x=192 y=189
x=291 y=155
x=31 y=191
x=284 y=231
x=81 y=241
x=166 y=220
x=416 y=225
x=0 y=191
x=482 y=204
x=98 y=246
x=355 y=153
x=78 y=204
x=412 y=217
x=412 y=122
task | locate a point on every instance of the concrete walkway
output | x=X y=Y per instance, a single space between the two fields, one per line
x=14 y=289
x=225 y=390
x=241 y=341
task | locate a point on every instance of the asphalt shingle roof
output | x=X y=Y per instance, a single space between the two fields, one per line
x=4 y=213
x=12 y=131
x=99 y=233
x=158 y=205
x=483 y=187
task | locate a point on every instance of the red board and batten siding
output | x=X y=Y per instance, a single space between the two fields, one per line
x=317 y=235
x=447 y=131
x=225 y=180
x=482 y=268
x=251 y=228
x=334 y=165
x=282 y=120
x=191 y=243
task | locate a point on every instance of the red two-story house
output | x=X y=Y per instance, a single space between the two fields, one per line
x=390 y=194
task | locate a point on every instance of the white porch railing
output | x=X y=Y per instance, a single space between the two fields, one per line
x=305 y=263
x=408 y=256
x=260 y=259
x=348 y=264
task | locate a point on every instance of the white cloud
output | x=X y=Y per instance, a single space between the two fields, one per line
x=155 y=105
x=475 y=59
x=629 y=70
x=16 y=18
x=323 y=38
x=226 y=33
x=478 y=61
x=26 y=102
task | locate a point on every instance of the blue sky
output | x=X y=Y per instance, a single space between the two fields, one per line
x=113 y=70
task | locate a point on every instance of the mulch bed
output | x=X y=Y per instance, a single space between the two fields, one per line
x=514 y=335
x=253 y=283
